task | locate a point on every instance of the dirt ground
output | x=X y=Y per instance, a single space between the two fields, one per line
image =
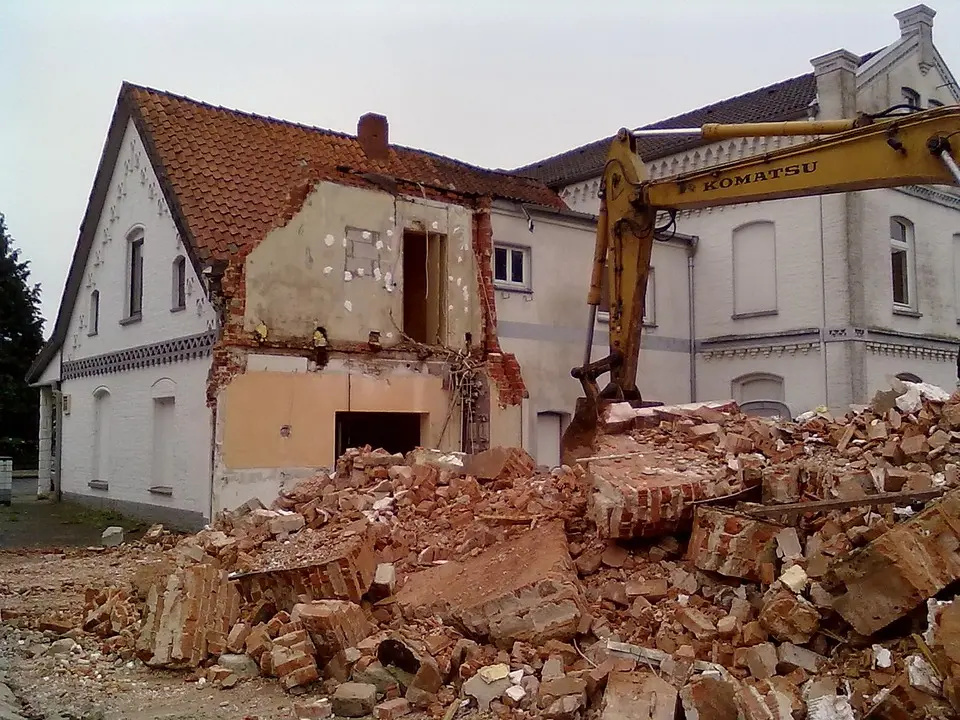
x=49 y=552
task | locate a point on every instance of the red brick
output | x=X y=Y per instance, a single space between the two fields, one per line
x=343 y=572
x=731 y=544
x=333 y=625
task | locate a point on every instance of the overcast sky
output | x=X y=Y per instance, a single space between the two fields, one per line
x=498 y=83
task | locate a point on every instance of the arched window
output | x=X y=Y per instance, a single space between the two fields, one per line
x=754 y=269
x=179 y=294
x=760 y=394
x=909 y=377
x=94 y=326
x=134 y=299
x=100 y=469
x=902 y=263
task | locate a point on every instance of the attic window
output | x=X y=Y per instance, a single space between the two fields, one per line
x=910 y=97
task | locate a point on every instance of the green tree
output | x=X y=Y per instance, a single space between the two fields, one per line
x=21 y=336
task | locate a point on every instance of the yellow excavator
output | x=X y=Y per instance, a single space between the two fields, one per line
x=900 y=146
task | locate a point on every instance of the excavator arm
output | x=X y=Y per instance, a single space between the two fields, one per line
x=860 y=154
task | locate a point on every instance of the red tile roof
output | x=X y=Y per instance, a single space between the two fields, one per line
x=236 y=175
x=786 y=100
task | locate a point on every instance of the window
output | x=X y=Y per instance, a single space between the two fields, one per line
x=94 y=313
x=956 y=275
x=754 y=270
x=757 y=387
x=934 y=103
x=135 y=276
x=901 y=262
x=511 y=267
x=910 y=96
x=179 y=300
x=649 y=316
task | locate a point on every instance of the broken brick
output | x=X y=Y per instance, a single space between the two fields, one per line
x=733 y=545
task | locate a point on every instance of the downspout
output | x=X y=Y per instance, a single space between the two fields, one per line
x=823 y=310
x=692 y=244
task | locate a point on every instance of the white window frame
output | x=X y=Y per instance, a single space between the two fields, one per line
x=178 y=300
x=133 y=274
x=94 y=313
x=906 y=246
x=507 y=283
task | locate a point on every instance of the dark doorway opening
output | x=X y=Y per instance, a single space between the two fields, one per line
x=424 y=289
x=395 y=432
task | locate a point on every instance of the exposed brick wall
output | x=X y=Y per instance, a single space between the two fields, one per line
x=503 y=368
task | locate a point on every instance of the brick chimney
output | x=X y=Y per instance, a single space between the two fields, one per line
x=919 y=20
x=836 y=75
x=373 y=134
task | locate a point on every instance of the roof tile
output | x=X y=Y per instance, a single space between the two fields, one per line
x=786 y=100
x=237 y=175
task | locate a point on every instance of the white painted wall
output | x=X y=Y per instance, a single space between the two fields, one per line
x=127 y=459
x=546 y=327
x=832 y=260
x=134 y=201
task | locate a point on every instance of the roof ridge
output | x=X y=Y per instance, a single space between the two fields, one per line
x=316 y=128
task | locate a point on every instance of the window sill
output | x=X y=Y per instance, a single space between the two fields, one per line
x=513 y=289
x=758 y=313
x=98 y=485
x=178 y=309
x=906 y=312
x=132 y=319
x=161 y=490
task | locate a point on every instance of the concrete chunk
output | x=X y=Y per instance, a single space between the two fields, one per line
x=537 y=595
x=354 y=700
x=788 y=617
x=792 y=656
x=112 y=536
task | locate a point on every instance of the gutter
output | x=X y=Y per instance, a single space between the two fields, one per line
x=693 y=242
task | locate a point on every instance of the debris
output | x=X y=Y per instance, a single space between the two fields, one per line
x=901 y=569
x=636 y=696
x=536 y=596
x=790 y=618
x=733 y=545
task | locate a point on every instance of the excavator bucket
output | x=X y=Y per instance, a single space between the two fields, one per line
x=579 y=440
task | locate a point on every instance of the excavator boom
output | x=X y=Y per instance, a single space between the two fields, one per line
x=865 y=153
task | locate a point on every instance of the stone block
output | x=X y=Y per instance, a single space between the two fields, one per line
x=901 y=569
x=354 y=700
x=524 y=589
x=313 y=710
x=240 y=665
x=633 y=695
x=790 y=618
x=733 y=545
x=193 y=603
x=333 y=625
x=344 y=570
x=384 y=582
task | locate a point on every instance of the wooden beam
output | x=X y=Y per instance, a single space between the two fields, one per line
x=904 y=498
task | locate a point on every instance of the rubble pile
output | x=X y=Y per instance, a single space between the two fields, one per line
x=701 y=564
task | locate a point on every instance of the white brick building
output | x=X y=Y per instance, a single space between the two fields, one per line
x=806 y=301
